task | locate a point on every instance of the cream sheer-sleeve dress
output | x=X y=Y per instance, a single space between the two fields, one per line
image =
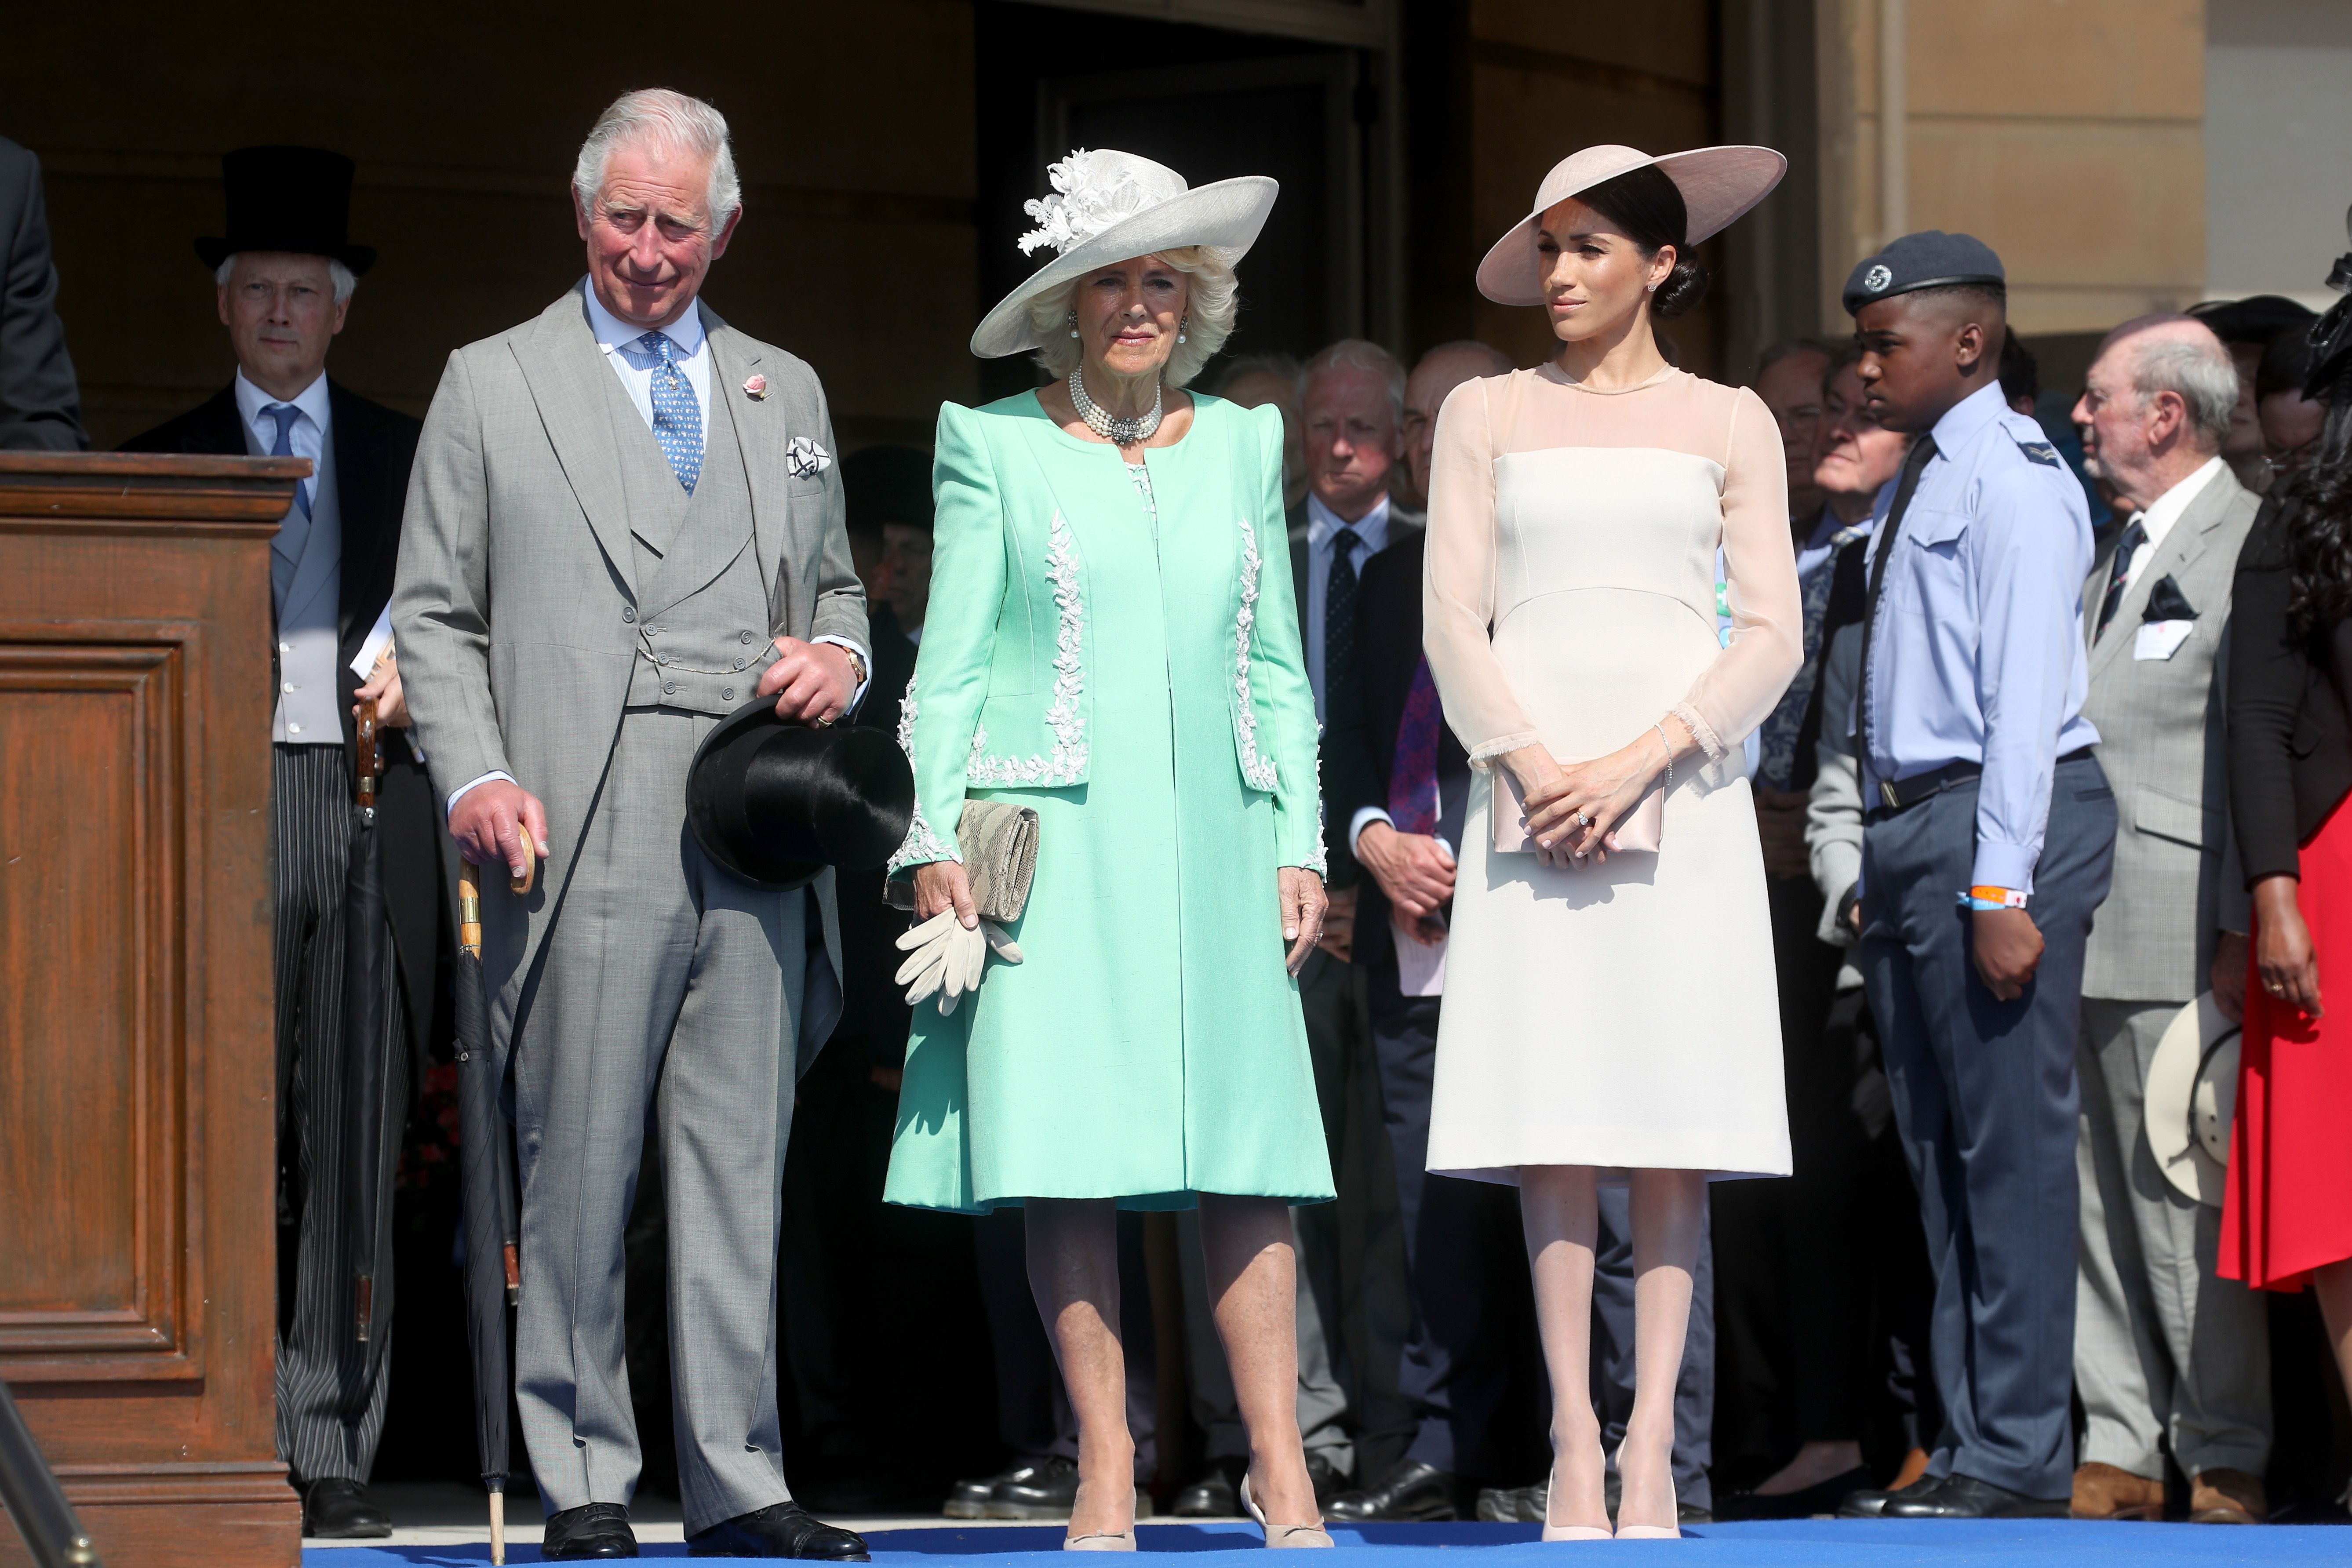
x=1623 y=1015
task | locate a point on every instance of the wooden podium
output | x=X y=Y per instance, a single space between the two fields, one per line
x=137 y=1260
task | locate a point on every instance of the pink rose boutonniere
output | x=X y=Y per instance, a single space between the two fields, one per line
x=756 y=388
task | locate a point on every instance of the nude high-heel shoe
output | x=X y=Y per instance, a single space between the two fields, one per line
x=1103 y=1541
x=1567 y=1532
x=1279 y=1536
x=1647 y=1531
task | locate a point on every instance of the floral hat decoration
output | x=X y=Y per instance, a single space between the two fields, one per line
x=1108 y=206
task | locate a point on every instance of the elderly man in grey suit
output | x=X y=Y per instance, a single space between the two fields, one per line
x=2162 y=1348
x=625 y=522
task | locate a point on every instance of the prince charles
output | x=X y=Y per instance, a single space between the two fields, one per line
x=624 y=523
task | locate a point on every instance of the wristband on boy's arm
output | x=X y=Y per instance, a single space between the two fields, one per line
x=1990 y=898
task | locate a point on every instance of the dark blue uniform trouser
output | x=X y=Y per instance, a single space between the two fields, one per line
x=1985 y=1099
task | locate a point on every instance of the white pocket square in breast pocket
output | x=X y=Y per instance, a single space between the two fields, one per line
x=806 y=459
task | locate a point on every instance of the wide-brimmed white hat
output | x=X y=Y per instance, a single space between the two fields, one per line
x=1110 y=206
x=2191 y=1094
x=1717 y=184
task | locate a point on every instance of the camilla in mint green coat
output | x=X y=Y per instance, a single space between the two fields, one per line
x=1117 y=649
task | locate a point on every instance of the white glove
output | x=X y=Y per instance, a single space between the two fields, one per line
x=946 y=958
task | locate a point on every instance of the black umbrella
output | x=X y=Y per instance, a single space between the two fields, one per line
x=493 y=1276
x=365 y=1082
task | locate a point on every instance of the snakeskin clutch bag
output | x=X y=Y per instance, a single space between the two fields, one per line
x=999 y=843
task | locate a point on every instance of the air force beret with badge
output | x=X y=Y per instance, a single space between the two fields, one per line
x=1928 y=259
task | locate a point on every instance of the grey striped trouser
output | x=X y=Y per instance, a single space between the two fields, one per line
x=330 y=1388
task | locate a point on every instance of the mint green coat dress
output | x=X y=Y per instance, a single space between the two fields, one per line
x=1120 y=652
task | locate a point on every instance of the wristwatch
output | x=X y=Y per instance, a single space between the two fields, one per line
x=856 y=667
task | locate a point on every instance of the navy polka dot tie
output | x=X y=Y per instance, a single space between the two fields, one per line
x=677 y=418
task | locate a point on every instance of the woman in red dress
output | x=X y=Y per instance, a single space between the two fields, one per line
x=2286 y=1219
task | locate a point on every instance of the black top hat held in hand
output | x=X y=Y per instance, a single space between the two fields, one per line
x=775 y=803
x=295 y=199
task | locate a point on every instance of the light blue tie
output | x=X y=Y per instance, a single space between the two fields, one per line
x=285 y=414
x=677 y=418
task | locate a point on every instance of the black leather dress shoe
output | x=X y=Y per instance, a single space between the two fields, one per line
x=1512 y=1505
x=780 y=1530
x=335 y=1508
x=1409 y=1491
x=1821 y=1497
x=1965 y=1496
x=593 y=1530
x=1870 y=1502
x=1326 y=1478
x=968 y=1499
x=1215 y=1493
x=1048 y=1489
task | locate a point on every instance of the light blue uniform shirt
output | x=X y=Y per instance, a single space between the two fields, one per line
x=1976 y=655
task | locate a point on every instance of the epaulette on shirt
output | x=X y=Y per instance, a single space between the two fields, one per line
x=2040 y=452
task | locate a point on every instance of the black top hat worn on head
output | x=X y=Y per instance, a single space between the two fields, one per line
x=776 y=803
x=1928 y=259
x=296 y=199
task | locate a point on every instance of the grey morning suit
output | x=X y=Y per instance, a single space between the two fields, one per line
x=566 y=612
x=2162 y=1348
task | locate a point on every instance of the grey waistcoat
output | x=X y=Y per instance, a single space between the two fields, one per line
x=702 y=611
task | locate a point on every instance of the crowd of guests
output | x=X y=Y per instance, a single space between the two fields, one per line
x=1807 y=1377
x=2019 y=1175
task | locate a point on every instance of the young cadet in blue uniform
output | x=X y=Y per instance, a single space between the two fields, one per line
x=1989 y=837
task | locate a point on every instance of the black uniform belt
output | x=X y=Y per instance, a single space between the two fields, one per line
x=1901 y=795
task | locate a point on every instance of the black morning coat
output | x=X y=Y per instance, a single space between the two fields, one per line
x=1359 y=749
x=374 y=446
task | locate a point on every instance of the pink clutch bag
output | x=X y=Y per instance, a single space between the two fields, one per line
x=1637 y=833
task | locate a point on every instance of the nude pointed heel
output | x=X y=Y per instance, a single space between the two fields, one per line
x=1284 y=1535
x=1102 y=1540
x=1645 y=1532
x=1567 y=1532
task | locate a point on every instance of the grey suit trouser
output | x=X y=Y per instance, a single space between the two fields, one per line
x=661 y=976
x=2163 y=1349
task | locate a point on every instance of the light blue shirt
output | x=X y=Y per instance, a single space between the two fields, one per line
x=1976 y=654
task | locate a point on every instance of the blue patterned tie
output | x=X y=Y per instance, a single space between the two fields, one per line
x=677 y=418
x=285 y=414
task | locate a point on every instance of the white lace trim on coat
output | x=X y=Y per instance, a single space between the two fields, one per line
x=1066 y=717
x=1257 y=769
x=922 y=845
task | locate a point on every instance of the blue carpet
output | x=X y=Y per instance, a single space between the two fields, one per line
x=1818 y=1544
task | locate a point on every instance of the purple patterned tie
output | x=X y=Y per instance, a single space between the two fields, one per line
x=1413 y=781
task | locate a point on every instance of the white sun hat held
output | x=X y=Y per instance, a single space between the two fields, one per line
x=1718 y=184
x=2190 y=1098
x=1110 y=206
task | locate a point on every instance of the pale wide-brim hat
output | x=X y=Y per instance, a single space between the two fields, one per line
x=1717 y=184
x=1111 y=206
x=2191 y=1094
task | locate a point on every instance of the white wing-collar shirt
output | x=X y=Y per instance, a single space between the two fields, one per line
x=2164 y=511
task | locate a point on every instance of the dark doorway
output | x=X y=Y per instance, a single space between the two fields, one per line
x=1209 y=104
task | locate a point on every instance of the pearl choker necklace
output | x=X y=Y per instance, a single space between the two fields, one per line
x=1118 y=432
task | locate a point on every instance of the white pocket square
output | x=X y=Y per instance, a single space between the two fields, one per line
x=805 y=458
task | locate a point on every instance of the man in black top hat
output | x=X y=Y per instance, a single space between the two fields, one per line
x=284 y=274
